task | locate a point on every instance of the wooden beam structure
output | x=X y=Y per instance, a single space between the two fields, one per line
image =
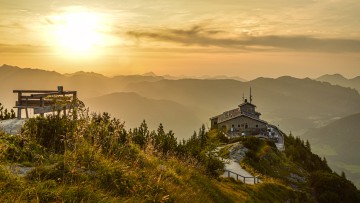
x=41 y=101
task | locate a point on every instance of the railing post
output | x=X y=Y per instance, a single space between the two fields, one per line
x=244 y=180
x=228 y=174
x=254 y=180
x=237 y=176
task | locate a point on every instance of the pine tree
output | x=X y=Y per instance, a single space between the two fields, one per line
x=324 y=161
x=13 y=113
x=307 y=145
x=202 y=136
x=343 y=174
x=5 y=114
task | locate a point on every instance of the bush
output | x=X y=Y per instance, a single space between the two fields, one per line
x=20 y=149
x=214 y=165
x=51 y=132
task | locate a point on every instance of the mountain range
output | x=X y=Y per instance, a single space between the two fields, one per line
x=294 y=104
x=338 y=79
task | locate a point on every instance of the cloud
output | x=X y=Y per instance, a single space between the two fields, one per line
x=25 y=49
x=200 y=36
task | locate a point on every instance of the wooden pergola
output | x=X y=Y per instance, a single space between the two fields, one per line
x=41 y=102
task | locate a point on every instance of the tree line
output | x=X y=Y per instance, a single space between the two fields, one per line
x=5 y=113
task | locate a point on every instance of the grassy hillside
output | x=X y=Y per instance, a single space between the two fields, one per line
x=339 y=142
x=299 y=168
x=93 y=159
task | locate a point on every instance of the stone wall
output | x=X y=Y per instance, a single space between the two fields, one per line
x=241 y=124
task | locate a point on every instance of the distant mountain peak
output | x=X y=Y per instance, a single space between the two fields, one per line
x=332 y=76
x=83 y=73
x=9 y=66
x=152 y=74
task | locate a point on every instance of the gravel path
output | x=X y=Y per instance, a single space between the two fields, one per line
x=233 y=166
x=236 y=153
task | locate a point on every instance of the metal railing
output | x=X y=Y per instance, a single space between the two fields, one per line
x=243 y=178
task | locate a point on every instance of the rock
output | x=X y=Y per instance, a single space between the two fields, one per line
x=296 y=178
x=12 y=126
x=19 y=170
x=237 y=152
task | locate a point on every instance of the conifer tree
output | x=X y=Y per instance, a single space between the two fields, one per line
x=343 y=174
x=141 y=135
x=5 y=114
x=202 y=136
x=307 y=145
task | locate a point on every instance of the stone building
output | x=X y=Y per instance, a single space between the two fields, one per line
x=244 y=120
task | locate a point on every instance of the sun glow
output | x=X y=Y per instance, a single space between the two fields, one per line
x=78 y=33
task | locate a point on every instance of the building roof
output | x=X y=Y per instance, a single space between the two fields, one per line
x=247 y=103
x=244 y=115
x=234 y=113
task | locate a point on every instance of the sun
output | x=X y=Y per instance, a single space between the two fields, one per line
x=78 y=33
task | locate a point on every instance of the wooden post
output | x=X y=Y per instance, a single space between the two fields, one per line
x=228 y=174
x=244 y=179
x=26 y=110
x=19 y=109
x=41 y=105
x=74 y=103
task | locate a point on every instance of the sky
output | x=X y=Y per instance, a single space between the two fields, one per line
x=244 y=38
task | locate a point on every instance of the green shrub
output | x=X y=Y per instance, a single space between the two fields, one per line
x=51 y=132
x=20 y=149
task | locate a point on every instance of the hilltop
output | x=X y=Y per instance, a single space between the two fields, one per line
x=93 y=158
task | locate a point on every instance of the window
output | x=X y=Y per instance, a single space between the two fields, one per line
x=239 y=126
x=257 y=126
x=232 y=125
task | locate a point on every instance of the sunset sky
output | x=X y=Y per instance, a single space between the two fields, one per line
x=245 y=38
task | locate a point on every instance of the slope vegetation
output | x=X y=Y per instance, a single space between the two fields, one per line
x=94 y=159
x=339 y=142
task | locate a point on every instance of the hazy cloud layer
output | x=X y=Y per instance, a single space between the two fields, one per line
x=23 y=49
x=200 y=36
